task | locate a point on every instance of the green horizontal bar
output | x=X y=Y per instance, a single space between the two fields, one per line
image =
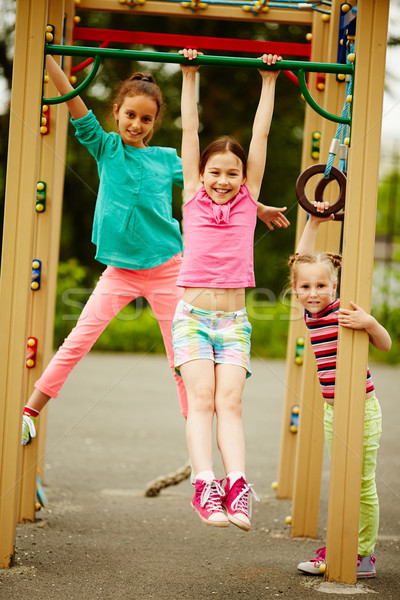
x=221 y=61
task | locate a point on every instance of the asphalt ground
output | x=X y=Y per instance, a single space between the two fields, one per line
x=116 y=426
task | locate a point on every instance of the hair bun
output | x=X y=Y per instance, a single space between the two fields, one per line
x=336 y=259
x=142 y=77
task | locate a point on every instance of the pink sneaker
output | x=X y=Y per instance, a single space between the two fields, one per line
x=207 y=502
x=237 y=502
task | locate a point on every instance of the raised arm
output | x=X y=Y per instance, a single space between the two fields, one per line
x=190 y=129
x=308 y=237
x=76 y=106
x=261 y=126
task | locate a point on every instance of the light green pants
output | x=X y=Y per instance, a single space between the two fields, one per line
x=369 y=503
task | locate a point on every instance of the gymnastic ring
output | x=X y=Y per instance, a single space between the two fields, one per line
x=305 y=202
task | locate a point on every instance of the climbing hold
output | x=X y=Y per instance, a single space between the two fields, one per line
x=36 y=274
x=31 y=349
x=40 y=196
x=294 y=419
x=298 y=359
x=45 y=120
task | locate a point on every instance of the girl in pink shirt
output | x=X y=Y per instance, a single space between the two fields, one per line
x=211 y=332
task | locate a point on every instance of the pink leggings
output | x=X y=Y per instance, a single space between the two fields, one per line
x=114 y=290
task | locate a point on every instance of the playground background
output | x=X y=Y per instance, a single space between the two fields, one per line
x=269 y=280
x=115 y=427
x=135 y=329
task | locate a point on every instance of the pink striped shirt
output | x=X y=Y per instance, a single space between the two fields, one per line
x=323 y=329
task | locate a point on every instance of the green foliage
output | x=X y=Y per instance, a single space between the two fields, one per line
x=270 y=323
x=74 y=286
x=388 y=211
x=390 y=319
x=135 y=328
x=387 y=272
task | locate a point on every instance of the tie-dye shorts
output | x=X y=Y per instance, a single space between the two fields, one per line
x=223 y=337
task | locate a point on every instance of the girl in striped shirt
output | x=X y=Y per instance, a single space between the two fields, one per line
x=314 y=282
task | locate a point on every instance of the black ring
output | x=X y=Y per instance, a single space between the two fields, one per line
x=305 y=203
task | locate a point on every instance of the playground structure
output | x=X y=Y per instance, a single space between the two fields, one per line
x=31 y=239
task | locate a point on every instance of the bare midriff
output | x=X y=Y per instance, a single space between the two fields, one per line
x=226 y=300
x=367 y=397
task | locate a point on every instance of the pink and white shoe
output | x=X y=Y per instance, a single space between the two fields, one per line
x=366 y=566
x=207 y=502
x=237 y=502
x=316 y=565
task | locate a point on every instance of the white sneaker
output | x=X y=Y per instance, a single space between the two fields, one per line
x=28 y=429
x=314 y=566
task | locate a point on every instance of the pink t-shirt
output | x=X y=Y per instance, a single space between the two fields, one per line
x=219 y=242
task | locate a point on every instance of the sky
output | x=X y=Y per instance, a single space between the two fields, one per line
x=391 y=102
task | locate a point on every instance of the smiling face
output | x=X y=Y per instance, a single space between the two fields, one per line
x=136 y=118
x=223 y=176
x=314 y=286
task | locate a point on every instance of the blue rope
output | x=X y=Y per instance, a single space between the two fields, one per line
x=341 y=128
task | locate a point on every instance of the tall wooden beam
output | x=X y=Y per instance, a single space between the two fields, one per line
x=310 y=445
x=19 y=219
x=358 y=258
x=300 y=378
x=46 y=249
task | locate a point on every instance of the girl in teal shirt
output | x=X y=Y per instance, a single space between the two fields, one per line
x=133 y=230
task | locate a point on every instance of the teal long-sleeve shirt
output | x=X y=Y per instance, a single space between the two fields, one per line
x=133 y=227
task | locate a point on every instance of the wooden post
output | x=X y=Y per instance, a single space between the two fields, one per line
x=56 y=202
x=46 y=249
x=19 y=217
x=300 y=378
x=358 y=257
x=310 y=445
